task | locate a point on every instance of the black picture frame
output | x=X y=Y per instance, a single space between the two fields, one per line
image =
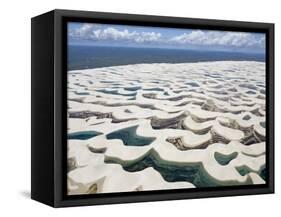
x=49 y=107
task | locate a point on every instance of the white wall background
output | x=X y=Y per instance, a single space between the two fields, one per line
x=15 y=106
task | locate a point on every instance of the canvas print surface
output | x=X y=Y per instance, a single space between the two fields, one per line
x=163 y=108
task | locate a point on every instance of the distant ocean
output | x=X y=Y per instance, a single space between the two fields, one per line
x=84 y=57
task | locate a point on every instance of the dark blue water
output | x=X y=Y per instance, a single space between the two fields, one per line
x=130 y=137
x=83 y=135
x=83 y=57
x=193 y=172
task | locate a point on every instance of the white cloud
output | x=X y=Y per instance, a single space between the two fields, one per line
x=97 y=32
x=84 y=32
x=91 y=32
x=217 y=38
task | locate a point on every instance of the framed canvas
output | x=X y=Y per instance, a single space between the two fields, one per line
x=131 y=108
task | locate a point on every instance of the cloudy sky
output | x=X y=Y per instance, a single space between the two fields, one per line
x=138 y=36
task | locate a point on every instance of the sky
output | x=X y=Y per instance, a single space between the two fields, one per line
x=95 y=34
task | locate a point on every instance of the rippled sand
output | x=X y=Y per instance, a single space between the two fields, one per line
x=166 y=126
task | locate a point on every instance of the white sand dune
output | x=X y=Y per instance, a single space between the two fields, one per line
x=166 y=126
